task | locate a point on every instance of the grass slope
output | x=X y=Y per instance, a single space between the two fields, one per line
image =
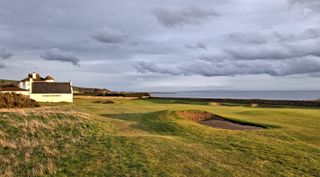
x=147 y=138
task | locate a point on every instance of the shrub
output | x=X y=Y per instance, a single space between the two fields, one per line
x=12 y=100
x=129 y=94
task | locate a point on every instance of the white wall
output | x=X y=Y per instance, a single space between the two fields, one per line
x=21 y=85
x=24 y=85
x=54 y=98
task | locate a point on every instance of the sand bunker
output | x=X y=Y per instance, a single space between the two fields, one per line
x=216 y=121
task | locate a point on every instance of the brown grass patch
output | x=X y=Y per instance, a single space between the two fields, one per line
x=196 y=115
x=45 y=112
x=12 y=100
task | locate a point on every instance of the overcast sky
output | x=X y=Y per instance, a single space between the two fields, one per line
x=168 y=45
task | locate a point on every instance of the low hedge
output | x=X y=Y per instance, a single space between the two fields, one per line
x=129 y=94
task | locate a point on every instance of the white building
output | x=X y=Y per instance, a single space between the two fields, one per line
x=34 y=77
x=42 y=89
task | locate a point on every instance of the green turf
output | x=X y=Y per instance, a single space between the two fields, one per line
x=147 y=138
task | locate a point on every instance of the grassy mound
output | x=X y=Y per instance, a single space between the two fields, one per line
x=147 y=138
x=12 y=100
x=39 y=143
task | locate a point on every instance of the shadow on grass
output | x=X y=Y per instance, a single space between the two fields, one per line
x=165 y=122
x=173 y=101
x=160 y=122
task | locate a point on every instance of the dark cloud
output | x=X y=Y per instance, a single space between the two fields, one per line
x=199 y=45
x=272 y=45
x=313 y=5
x=108 y=35
x=268 y=53
x=272 y=36
x=307 y=34
x=286 y=67
x=5 y=54
x=172 y=18
x=60 y=55
x=250 y=38
x=258 y=36
x=145 y=67
x=274 y=51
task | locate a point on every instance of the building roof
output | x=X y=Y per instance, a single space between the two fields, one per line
x=51 y=87
x=38 y=78
x=25 y=79
x=49 y=78
x=11 y=88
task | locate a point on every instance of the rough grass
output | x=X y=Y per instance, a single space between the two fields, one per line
x=147 y=138
x=36 y=142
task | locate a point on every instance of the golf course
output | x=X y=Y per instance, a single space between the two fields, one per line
x=100 y=136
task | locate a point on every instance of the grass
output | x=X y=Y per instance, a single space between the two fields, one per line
x=147 y=138
x=7 y=81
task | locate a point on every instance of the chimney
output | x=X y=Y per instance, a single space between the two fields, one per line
x=34 y=75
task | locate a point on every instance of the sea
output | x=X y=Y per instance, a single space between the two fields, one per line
x=274 y=95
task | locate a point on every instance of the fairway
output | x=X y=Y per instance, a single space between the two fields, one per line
x=147 y=138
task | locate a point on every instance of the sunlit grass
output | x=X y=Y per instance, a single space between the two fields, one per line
x=147 y=138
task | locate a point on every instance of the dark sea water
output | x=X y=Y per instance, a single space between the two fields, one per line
x=276 y=95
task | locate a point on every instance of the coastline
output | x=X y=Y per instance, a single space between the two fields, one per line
x=245 y=94
x=294 y=103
